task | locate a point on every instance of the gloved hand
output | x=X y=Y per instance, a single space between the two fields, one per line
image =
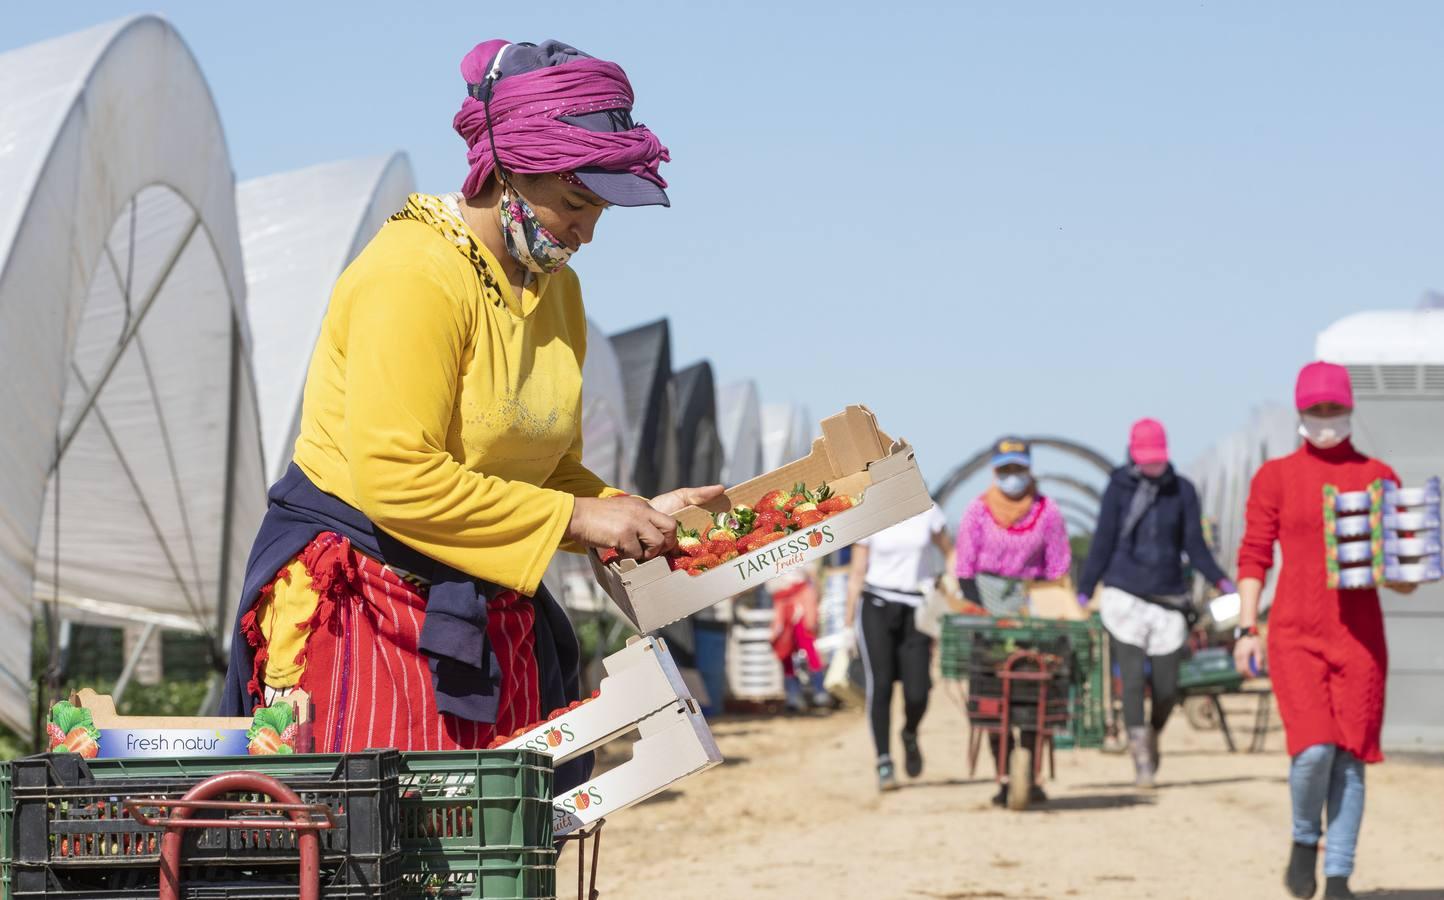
x=1228 y=587
x=1084 y=599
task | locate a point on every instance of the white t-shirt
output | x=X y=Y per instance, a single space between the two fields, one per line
x=904 y=559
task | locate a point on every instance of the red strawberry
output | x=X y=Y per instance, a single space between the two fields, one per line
x=702 y=563
x=770 y=521
x=56 y=736
x=597 y=693
x=810 y=518
x=837 y=504
x=266 y=742
x=769 y=538
x=722 y=547
x=609 y=556
x=772 y=500
x=78 y=740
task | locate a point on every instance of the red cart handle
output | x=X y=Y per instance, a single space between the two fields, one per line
x=136 y=806
x=287 y=801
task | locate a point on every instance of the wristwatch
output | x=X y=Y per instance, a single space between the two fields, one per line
x=1241 y=632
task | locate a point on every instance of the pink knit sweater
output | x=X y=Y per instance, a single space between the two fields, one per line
x=1034 y=549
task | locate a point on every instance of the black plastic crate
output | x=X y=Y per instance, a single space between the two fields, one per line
x=67 y=817
x=374 y=878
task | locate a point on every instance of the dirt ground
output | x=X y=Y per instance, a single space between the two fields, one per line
x=794 y=812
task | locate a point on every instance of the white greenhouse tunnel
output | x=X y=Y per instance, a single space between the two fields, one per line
x=123 y=343
x=299 y=230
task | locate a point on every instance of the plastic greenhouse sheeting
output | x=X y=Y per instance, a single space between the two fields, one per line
x=123 y=343
x=299 y=230
x=787 y=434
x=698 y=447
x=645 y=355
x=739 y=424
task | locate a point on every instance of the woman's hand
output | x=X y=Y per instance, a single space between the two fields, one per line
x=1248 y=655
x=1402 y=587
x=629 y=524
x=673 y=502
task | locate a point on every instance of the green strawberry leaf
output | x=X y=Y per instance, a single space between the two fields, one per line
x=277 y=716
x=67 y=716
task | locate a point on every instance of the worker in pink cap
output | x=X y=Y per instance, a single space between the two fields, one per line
x=1327 y=656
x=1148 y=521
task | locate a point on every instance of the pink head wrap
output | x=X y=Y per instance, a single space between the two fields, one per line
x=1321 y=382
x=529 y=136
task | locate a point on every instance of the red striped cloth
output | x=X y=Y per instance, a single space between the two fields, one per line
x=369 y=684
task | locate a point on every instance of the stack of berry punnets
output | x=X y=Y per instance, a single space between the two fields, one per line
x=873 y=480
x=1382 y=534
x=1411 y=549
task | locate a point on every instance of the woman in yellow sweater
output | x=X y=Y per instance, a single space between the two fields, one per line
x=397 y=575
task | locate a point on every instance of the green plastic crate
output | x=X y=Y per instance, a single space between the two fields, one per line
x=473 y=800
x=466 y=800
x=1088 y=696
x=482 y=875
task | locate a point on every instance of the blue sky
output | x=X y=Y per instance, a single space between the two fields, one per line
x=974 y=217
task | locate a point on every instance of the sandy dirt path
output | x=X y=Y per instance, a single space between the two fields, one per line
x=794 y=813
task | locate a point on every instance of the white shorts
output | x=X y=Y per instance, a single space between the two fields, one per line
x=1135 y=621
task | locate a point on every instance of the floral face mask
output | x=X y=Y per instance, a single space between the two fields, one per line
x=527 y=240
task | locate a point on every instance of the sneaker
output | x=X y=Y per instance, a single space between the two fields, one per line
x=914 y=760
x=1299 y=877
x=886 y=777
x=1336 y=887
x=1036 y=795
x=823 y=700
x=1000 y=799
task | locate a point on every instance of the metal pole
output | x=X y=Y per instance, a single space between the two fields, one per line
x=135 y=654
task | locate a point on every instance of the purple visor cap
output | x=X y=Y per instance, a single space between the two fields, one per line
x=617 y=188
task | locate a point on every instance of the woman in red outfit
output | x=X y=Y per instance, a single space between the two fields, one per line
x=1326 y=650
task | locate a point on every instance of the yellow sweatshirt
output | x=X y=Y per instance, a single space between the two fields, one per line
x=445 y=407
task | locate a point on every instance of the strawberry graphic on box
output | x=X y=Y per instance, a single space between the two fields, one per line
x=554 y=737
x=814 y=538
x=72 y=730
x=273 y=730
x=582 y=800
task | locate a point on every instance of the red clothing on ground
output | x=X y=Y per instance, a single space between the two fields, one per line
x=1327 y=655
x=369 y=684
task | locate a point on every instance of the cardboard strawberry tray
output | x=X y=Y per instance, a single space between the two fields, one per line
x=643 y=693
x=853 y=458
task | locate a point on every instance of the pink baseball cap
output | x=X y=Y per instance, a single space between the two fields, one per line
x=1147 y=442
x=1321 y=382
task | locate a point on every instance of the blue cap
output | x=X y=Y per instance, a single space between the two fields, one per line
x=1012 y=451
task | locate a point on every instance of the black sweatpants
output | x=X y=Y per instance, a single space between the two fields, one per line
x=893 y=649
x=1163 y=681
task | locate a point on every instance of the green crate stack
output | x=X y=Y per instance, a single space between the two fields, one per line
x=474 y=824
x=485 y=874
x=1089 y=696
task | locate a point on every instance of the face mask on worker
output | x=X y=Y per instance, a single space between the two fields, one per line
x=1015 y=484
x=1325 y=431
x=1152 y=470
x=528 y=240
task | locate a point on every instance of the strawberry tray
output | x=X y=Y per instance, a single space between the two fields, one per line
x=642 y=692
x=853 y=458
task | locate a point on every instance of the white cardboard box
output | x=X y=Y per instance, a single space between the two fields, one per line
x=642 y=691
x=853 y=456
